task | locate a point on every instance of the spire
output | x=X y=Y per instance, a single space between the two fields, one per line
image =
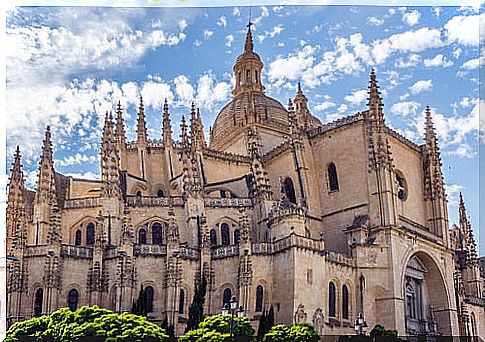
x=141 y=126
x=120 y=126
x=17 y=175
x=183 y=132
x=303 y=116
x=299 y=89
x=375 y=101
x=15 y=205
x=434 y=184
x=110 y=164
x=197 y=139
x=248 y=44
x=469 y=243
x=167 y=126
x=46 y=182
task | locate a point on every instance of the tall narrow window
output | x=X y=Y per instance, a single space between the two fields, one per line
x=256 y=76
x=142 y=236
x=410 y=301
x=289 y=189
x=345 y=302
x=331 y=300
x=39 y=298
x=332 y=177
x=226 y=296
x=72 y=299
x=149 y=292
x=181 y=301
x=225 y=238
x=237 y=236
x=77 y=238
x=213 y=237
x=90 y=234
x=160 y=193
x=248 y=75
x=259 y=298
x=156 y=234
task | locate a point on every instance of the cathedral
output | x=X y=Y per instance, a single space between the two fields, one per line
x=321 y=222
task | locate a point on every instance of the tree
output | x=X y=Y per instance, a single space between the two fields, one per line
x=65 y=325
x=297 y=333
x=216 y=328
x=196 y=309
x=168 y=327
x=270 y=318
x=380 y=330
x=263 y=324
x=140 y=305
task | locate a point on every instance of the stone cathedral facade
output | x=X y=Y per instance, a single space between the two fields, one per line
x=321 y=222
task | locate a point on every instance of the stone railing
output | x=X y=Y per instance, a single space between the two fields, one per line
x=32 y=251
x=289 y=241
x=417 y=229
x=189 y=253
x=144 y=201
x=82 y=203
x=111 y=253
x=475 y=300
x=275 y=151
x=77 y=252
x=338 y=258
x=402 y=139
x=152 y=250
x=155 y=143
x=335 y=124
x=225 y=251
x=228 y=202
x=228 y=156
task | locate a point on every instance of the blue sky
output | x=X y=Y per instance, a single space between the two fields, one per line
x=67 y=65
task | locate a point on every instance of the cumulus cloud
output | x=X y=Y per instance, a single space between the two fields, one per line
x=411 y=61
x=154 y=93
x=271 y=34
x=229 y=40
x=210 y=92
x=464 y=29
x=438 y=61
x=222 y=21
x=405 y=108
x=471 y=64
x=208 y=34
x=452 y=193
x=322 y=106
x=357 y=97
x=420 y=86
x=184 y=90
x=411 y=18
x=374 y=21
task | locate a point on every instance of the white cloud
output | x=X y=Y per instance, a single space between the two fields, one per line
x=462 y=151
x=438 y=60
x=464 y=29
x=208 y=34
x=411 y=18
x=184 y=90
x=236 y=12
x=457 y=52
x=277 y=9
x=222 y=21
x=209 y=92
x=357 y=97
x=437 y=11
x=320 y=107
x=274 y=32
x=416 y=41
x=76 y=159
x=420 y=86
x=471 y=64
x=452 y=193
x=411 y=61
x=374 y=21
x=405 y=108
x=154 y=93
x=182 y=24
x=229 y=40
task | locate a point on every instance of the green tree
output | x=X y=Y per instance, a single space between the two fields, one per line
x=196 y=309
x=65 y=325
x=217 y=328
x=270 y=318
x=297 y=333
x=380 y=330
x=263 y=326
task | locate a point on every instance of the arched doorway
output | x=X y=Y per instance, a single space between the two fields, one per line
x=426 y=299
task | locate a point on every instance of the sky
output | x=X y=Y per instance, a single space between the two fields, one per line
x=65 y=66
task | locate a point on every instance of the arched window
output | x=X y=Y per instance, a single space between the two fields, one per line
x=72 y=299
x=138 y=194
x=156 y=233
x=332 y=177
x=237 y=236
x=225 y=238
x=331 y=300
x=410 y=301
x=259 y=298
x=181 y=301
x=226 y=296
x=142 y=236
x=160 y=193
x=402 y=192
x=39 y=297
x=149 y=298
x=345 y=302
x=77 y=239
x=213 y=237
x=90 y=234
x=289 y=190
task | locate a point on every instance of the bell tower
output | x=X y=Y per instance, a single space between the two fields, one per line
x=247 y=69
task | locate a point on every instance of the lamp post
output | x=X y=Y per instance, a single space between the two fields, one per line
x=232 y=309
x=360 y=325
x=122 y=254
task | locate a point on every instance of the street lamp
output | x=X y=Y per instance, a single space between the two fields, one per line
x=232 y=309
x=360 y=325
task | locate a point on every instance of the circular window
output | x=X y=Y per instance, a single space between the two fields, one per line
x=402 y=187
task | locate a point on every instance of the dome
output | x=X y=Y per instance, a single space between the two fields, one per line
x=247 y=108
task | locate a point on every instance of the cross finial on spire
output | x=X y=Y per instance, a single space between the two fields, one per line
x=248 y=45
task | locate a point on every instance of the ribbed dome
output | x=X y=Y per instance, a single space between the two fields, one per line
x=247 y=108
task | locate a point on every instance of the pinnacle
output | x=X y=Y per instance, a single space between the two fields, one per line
x=249 y=45
x=299 y=89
